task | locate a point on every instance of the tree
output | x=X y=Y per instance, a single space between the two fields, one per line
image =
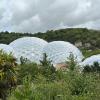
x=45 y=62
x=72 y=63
x=47 y=68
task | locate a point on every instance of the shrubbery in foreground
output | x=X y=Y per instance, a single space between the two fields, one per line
x=66 y=85
x=8 y=78
x=43 y=82
x=72 y=86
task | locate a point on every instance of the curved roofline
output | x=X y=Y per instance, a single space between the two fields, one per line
x=86 y=61
x=67 y=46
x=28 y=38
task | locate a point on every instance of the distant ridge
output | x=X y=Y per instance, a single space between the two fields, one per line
x=81 y=37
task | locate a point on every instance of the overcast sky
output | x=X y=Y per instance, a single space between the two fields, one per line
x=42 y=15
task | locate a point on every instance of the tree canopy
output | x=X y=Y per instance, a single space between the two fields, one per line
x=89 y=39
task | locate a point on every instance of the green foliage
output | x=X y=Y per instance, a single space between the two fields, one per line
x=88 y=53
x=67 y=85
x=78 y=84
x=43 y=82
x=45 y=62
x=73 y=86
x=27 y=69
x=92 y=68
x=23 y=60
x=8 y=77
x=72 y=35
x=25 y=91
x=72 y=63
x=47 y=69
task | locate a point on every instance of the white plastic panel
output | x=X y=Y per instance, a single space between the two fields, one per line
x=59 y=51
x=7 y=49
x=29 y=47
x=91 y=60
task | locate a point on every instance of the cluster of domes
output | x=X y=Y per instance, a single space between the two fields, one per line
x=33 y=49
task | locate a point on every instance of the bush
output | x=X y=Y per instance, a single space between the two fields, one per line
x=27 y=69
x=8 y=77
x=43 y=82
x=72 y=63
x=47 y=69
x=71 y=87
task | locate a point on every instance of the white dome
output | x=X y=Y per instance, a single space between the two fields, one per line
x=7 y=49
x=29 y=47
x=59 y=51
x=91 y=60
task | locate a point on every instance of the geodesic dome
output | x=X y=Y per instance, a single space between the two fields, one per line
x=91 y=60
x=29 y=47
x=59 y=52
x=7 y=49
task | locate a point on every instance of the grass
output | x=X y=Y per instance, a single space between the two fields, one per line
x=87 y=53
x=70 y=86
x=43 y=82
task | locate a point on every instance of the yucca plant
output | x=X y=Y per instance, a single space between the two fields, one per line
x=7 y=73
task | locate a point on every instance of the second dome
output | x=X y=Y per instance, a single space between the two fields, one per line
x=59 y=51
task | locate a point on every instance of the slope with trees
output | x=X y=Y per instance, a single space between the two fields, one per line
x=81 y=37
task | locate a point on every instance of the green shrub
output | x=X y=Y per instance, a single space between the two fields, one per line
x=47 y=69
x=43 y=82
x=8 y=77
x=72 y=87
x=27 y=69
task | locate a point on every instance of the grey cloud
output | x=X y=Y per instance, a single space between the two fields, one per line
x=41 y=15
x=22 y=10
x=1 y=13
x=2 y=9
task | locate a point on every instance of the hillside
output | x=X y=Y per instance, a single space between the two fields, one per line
x=81 y=37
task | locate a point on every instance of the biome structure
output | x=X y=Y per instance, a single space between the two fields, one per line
x=91 y=60
x=29 y=47
x=7 y=49
x=33 y=49
x=60 y=51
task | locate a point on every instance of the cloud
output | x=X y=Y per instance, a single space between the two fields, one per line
x=41 y=15
x=2 y=9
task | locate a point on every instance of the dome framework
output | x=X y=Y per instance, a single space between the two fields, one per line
x=60 y=51
x=29 y=47
x=91 y=60
x=7 y=49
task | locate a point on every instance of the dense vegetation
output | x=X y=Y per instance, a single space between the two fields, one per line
x=45 y=83
x=7 y=74
x=82 y=37
x=29 y=81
